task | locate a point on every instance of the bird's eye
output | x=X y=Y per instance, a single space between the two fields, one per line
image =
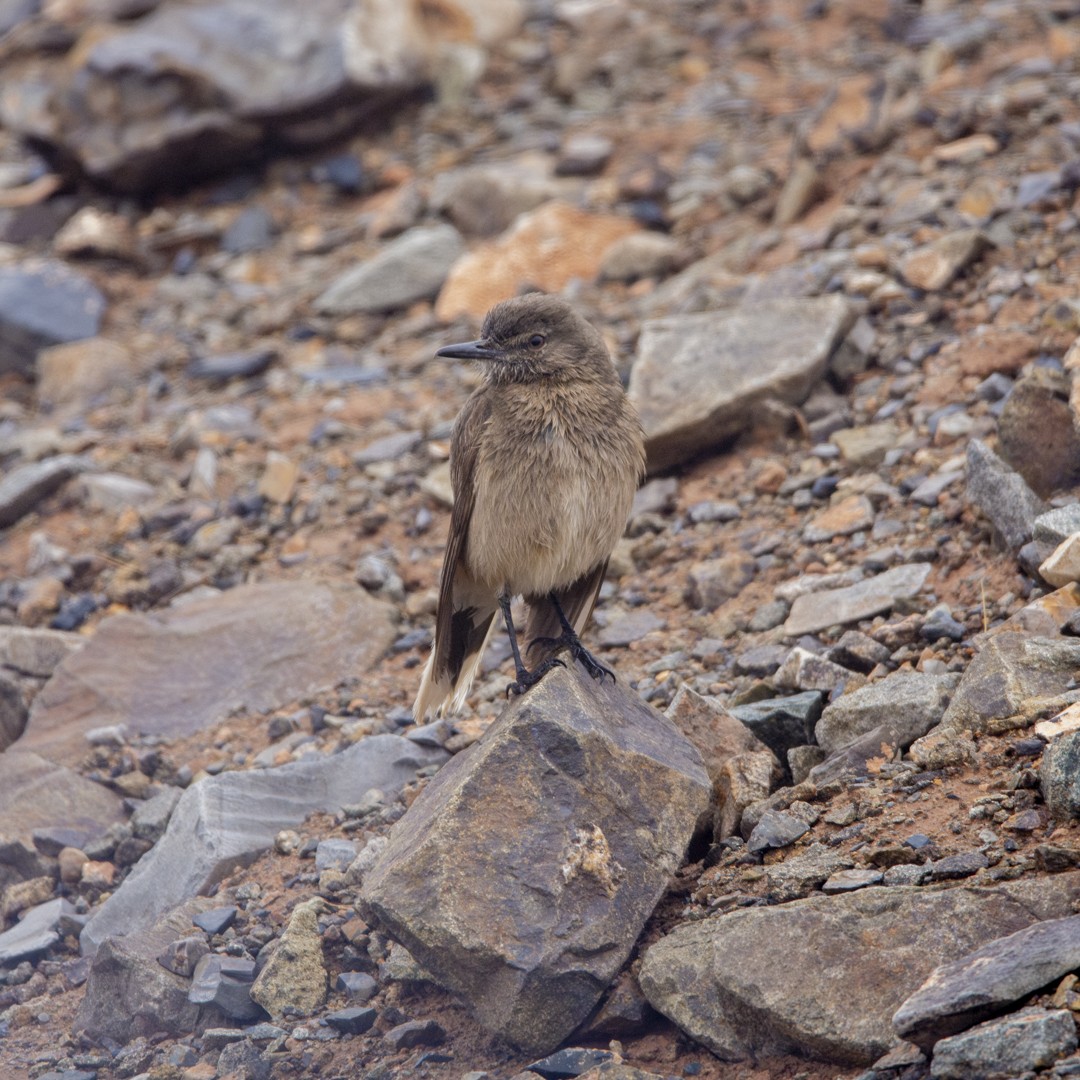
x=536 y=341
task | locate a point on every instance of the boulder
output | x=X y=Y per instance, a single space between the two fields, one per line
x=524 y=873
x=727 y=980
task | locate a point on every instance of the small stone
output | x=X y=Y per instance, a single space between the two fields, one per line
x=776 y=829
x=640 y=255
x=1063 y=566
x=630 y=627
x=357 y=985
x=849 y=880
x=334 y=854
x=584 y=155
x=1002 y=495
x=939 y=623
x=71 y=861
x=294 y=978
x=415 y=1033
x=251 y=230
x=818 y=611
x=216 y=920
x=182 y=956
x=571 y=1062
x=953 y=867
x=1056 y=526
x=354 y=1021
x=712 y=582
x=936 y=264
x=1059 y=776
x=226 y=982
x=409 y=268
x=278 y=481
x=236 y=365
x=850 y=515
x=23 y=487
x=78 y=371
x=867 y=446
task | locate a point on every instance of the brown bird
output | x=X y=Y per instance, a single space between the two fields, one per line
x=544 y=461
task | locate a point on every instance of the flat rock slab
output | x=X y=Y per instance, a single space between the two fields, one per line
x=1002 y=495
x=227 y=821
x=835 y=607
x=177 y=671
x=988 y=981
x=523 y=874
x=36 y=932
x=697 y=378
x=727 y=981
x=39 y=794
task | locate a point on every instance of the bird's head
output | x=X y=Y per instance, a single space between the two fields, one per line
x=535 y=337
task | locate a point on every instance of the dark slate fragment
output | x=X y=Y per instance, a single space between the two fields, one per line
x=236 y=365
x=216 y=920
x=781 y=723
x=573 y=1061
x=354 y=1021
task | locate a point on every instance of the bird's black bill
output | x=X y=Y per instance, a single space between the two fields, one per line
x=469 y=350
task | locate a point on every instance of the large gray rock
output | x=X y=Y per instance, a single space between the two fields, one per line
x=412 y=267
x=727 y=980
x=129 y=993
x=989 y=981
x=38 y=794
x=177 y=671
x=1013 y=678
x=198 y=87
x=1059 y=776
x=698 y=378
x=524 y=873
x=834 y=607
x=25 y=486
x=1002 y=495
x=1001 y=1049
x=911 y=701
x=42 y=305
x=227 y=821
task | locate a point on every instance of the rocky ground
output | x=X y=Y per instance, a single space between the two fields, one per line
x=833 y=249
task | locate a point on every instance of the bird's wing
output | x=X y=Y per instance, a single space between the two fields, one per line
x=577 y=601
x=466 y=608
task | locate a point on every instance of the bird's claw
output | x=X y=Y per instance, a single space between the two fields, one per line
x=526 y=680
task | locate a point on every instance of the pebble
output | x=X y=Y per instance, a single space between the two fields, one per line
x=415 y=1033
x=355 y=1021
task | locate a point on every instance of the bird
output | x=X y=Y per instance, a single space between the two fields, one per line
x=545 y=458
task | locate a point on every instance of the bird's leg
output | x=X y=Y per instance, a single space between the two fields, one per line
x=573 y=644
x=525 y=678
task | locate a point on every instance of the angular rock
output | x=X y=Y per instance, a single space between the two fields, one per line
x=866 y=447
x=572 y=242
x=726 y=980
x=415 y=1033
x=1056 y=526
x=1012 y=677
x=524 y=872
x=25 y=486
x=35 y=933
x=640 y=255
x=713 y=581
x=782 y=723
x=412 y=267
x=698 y=378
x=934 y=265
x=150 y=818
x=225 y=982
x=715 y=732
x=744 y=779
x=849 y=880
x=805 y=670
x=1002 y=495
x=176 y=671
x=911 y=701
x=833 y=607
x=1063 y=566
x=799 y=875
x=114 y=491
x=36 y=794
x=775 y=829
x=850 y=515
x=989 y=981
x=352 y=1021
x=128 y=993
x=42 y=305
x=227 y=821
x=182 y=956
x=295 y=977
x=1059 y=776
x=1001 y=1049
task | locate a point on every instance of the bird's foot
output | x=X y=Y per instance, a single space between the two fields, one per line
x=588 y=661
x=526 y=679
x=572 y=644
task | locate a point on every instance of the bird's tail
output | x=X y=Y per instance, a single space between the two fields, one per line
x=455 y=655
